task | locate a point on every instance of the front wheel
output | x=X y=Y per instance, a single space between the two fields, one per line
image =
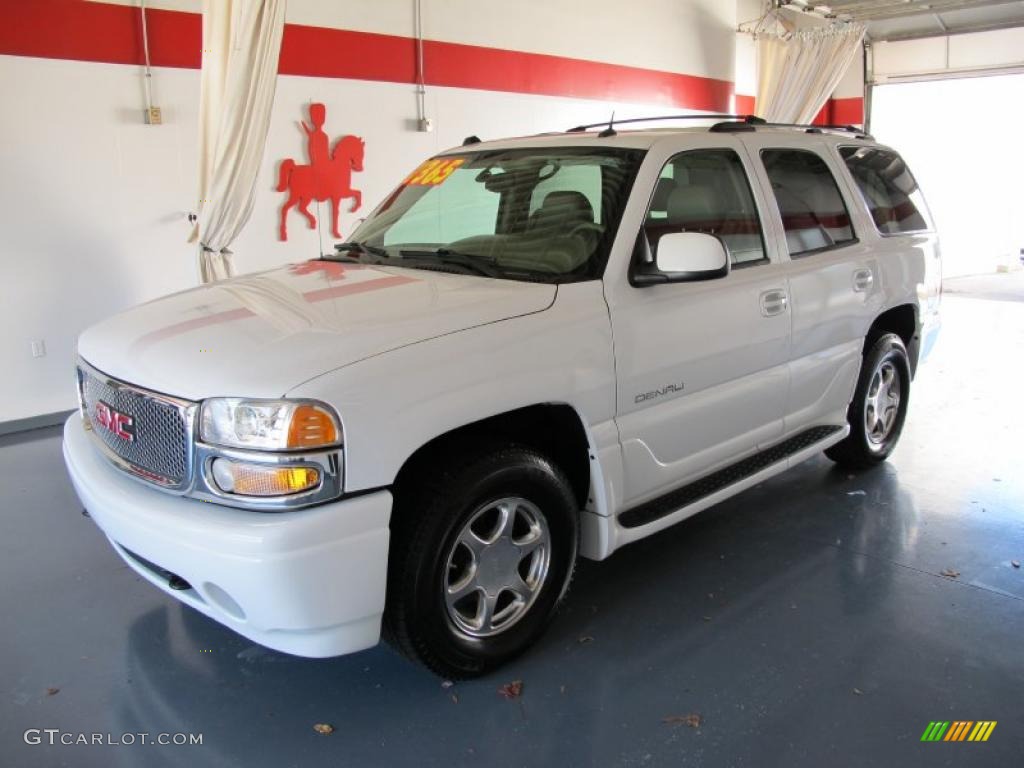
x=483 y=550
x=879 y=406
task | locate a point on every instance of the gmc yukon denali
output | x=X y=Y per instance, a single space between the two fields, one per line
x=533 y=350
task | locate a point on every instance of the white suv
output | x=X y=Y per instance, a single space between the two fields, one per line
x=533 y=349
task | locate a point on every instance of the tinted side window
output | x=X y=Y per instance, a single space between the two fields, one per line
x=707 y=191
x=889 y=189
x=813 y=212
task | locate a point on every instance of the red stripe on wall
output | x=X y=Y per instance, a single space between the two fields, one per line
x=322 y=52
x=848 y=111
x=842 y=112
x=87 y=31
x=492 y=69
x=92 y=31
x=744 y=104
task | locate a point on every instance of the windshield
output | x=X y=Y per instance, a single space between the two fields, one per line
x=536 y=214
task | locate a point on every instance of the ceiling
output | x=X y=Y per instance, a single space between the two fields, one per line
x=909 y=19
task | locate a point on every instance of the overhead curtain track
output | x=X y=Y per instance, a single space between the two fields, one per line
x=798 y=71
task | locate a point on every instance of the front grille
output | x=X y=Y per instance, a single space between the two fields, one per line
x=160 y=447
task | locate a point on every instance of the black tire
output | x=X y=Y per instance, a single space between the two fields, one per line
x=429 y=517
x=862 y=449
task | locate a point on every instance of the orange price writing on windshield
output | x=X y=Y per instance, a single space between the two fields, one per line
x=434 y=172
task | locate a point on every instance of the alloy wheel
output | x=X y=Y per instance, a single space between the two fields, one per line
x=497 y=567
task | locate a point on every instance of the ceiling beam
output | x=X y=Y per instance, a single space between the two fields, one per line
x=950 y=31
x=880 y=11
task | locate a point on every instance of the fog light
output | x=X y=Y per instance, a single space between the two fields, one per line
x=263 y=479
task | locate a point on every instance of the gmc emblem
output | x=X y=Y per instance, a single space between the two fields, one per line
x=120 y=424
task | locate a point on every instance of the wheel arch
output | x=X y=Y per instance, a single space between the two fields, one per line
x=555 y=429
x=903 y=321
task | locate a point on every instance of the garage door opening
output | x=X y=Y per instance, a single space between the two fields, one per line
x=961 y=140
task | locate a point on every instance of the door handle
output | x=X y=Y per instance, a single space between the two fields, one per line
x=862 y=280
x=773 y=302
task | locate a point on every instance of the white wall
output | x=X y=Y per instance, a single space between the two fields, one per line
x=688 y=36
x=851 y=86
x=747 y=13
x=93 y=202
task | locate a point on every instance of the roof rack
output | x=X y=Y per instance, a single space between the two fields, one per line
x=812 y=128
x=613 y=122
x=727 y=124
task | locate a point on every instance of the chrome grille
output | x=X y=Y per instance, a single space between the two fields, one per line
x=160 y=448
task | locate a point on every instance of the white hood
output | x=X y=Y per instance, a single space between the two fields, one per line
x=261 y=335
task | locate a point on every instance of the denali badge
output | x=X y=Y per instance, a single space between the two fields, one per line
x=121 y=424
x=668 y=389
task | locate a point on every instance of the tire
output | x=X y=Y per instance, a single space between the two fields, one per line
x=450 y=556
x=885 y=371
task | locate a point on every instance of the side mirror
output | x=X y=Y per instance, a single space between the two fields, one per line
x=689 y=256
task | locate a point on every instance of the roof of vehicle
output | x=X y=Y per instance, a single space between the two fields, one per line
x=645 y=138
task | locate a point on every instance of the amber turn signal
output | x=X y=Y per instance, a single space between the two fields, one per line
x=311 y=427
x=263 y=479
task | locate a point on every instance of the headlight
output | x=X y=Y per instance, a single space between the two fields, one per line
x=269 y=425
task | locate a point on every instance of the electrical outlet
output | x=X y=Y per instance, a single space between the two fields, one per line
x=426 y=125
x=38 y=348
x=153 y=116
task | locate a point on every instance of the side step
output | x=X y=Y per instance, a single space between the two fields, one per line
x=716 y=481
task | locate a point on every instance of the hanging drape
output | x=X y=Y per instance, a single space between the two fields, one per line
x=797 y=71
x=241 y=45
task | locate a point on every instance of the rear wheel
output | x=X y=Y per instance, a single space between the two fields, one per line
x=879 y=406
x=483 y=550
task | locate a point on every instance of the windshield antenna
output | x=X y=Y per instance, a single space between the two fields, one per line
x=609 y=131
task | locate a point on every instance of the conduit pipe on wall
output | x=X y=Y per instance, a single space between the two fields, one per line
x=147 y=78
x=422 y=121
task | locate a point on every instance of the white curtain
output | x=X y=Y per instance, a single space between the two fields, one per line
x=241 y=45
x=797 y=71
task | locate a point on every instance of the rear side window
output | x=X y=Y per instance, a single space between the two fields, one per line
x=707 y=191
x=889 y=189
x=814 y=215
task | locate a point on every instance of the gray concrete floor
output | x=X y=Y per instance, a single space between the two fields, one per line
x=1008 y=286
x=806 y=621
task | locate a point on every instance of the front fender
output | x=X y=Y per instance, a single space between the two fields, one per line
x=394 y=403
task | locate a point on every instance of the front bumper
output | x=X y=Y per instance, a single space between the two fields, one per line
x=309 y=582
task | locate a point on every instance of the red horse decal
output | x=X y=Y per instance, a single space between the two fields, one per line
x=327 y=177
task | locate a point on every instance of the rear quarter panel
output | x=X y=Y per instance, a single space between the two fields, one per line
x=909 y=265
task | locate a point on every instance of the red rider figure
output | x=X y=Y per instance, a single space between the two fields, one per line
x=319 y=149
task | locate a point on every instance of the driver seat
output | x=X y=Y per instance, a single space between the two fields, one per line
x=561 y=212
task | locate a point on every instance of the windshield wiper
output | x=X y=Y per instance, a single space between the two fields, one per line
x=343 y=248
x=483 y=265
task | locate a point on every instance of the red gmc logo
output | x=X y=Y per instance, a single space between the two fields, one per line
x=120 y=424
